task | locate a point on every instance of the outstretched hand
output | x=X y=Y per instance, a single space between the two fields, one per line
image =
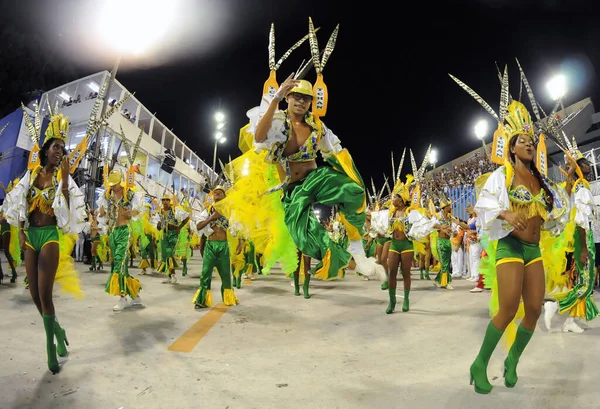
x=287 y=85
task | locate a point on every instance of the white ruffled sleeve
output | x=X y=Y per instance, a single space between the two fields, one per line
x=15 y=202
x=277 y=131
x=70 y=216
x=102 y=203
x=558 y=217
x=584 y=208
x=329 y=143
x=420 y=225
x=206 y=231
x=137 y=204
x=492 y=200
x=180 y=215
x=380 y=221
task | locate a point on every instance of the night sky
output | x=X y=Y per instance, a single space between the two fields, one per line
x=387 y=77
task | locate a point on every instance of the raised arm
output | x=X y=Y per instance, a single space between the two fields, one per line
x=264 y=124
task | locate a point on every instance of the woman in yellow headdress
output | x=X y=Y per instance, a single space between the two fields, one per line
x=49 y=209
x=517 y=202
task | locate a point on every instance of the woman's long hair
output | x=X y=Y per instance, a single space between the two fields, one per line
x=535 y=172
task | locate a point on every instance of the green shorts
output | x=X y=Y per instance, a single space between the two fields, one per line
x=4 y=228
x=382 y=240
x=402 y=246
x=38 y=237
x=512 y=250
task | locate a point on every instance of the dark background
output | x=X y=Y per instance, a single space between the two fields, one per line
x=387 y=77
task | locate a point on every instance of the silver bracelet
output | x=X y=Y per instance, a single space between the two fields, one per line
x=278 y=97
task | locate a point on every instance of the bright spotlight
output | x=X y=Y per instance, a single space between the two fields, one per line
x=433 y=156
x=222 y=140
x=133 y=26
x=481 y=129
x=220 y=125
x=219 y=117
x=218 y=135
x=557 y=87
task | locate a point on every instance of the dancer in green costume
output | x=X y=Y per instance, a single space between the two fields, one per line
x=514 y=205
x=118 y=207
x=49 y=209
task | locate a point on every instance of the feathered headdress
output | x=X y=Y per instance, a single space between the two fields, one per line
x=59 y=128
x=514 y=119
x=418 y=176
x=321 y=97
x=401 y=189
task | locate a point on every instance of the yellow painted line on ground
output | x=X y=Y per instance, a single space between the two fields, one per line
x=188 y=341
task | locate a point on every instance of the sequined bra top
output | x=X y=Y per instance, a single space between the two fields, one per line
x=398 y=223
x=524 y=202
x=41 y=200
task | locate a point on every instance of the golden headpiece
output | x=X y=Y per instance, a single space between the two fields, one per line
x=115 y=177
x=514 y=119
x=571 y=147
x=58 y=128
x=304 y=87
x=445 y=203
x=403 y=189
x=517 y=121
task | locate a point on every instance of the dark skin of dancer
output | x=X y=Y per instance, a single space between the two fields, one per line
x=41 y=268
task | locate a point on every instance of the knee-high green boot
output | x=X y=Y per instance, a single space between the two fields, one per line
x=406 y=304
x=421 y=271
x=306 y=285
x=297 y=284
x=61 y=339
x=479 y=367
x=510 y=364
x=93 y=266
x=49 y=324
x=392 y=304
x=184 y=271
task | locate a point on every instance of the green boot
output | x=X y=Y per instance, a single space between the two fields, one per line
x=392 y=305
x=385 y=286
x=306 y=285
x=510 y=364
x=49 y=325
x=478 y=369
x=184 y=272
x=421 y=271
x=427 y=274
x=296 y=284
x=405 y=305
x=93 y=266
x=61 y=340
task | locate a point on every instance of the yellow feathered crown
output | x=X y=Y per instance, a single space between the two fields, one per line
x=58 y=128
x=514 y=119
x=517 y=121
x=571 y=148
x=403 y=189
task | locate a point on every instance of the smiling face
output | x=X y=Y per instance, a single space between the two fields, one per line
x=298 y=103
x=522 y=147
x=55 y=152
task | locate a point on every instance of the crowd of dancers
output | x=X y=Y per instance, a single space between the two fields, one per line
x=520 y=230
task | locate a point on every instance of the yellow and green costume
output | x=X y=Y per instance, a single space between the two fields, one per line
x=120 y=282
